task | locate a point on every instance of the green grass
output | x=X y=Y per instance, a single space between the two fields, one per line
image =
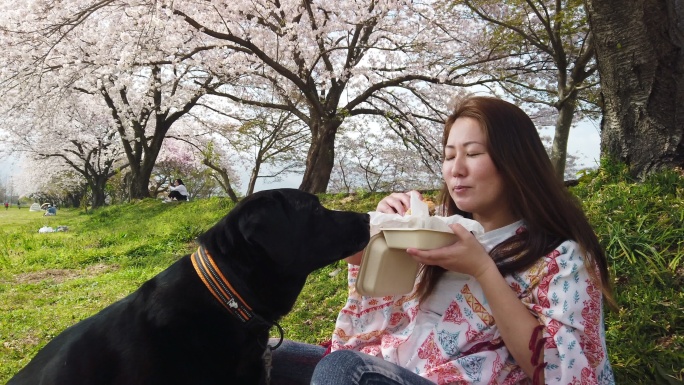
x=641 y=225
x=50 y=281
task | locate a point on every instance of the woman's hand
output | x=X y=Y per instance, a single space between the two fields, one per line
x=396 y=203
x=466 y=256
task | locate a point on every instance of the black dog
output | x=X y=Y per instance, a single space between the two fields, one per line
x=206 y=319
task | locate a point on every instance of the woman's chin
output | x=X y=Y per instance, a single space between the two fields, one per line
x=461 y=202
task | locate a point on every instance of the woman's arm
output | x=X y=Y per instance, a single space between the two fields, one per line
x=513 y=319
x=565 y=300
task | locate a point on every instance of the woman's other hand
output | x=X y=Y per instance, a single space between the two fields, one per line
x=466 y=256
x=396 y=203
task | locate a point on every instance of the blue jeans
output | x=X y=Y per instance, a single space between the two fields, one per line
x=296 y=363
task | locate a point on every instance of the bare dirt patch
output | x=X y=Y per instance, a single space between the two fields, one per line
x=19 y=344
x=61 y=275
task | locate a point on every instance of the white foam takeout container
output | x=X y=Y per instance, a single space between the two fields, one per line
x=386 y=268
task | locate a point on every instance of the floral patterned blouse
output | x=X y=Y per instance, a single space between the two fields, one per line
x=452 y=337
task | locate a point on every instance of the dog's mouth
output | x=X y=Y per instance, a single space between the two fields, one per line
x=362 y=244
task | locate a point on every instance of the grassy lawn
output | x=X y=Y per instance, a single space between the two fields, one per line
x=50 y=281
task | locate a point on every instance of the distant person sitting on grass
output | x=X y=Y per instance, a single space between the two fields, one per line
x=51 y=210
x=177 y=192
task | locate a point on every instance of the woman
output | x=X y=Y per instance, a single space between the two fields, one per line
x=531 y=310
x=178 y=191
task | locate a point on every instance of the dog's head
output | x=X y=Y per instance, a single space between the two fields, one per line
x=276 y=238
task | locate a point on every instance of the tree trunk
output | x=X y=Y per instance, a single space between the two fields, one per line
x=640 y=52
x=559 y=149
x=98 y=197
x=140 y=175
x=224 y=179
x=139 y=185
x=253 y=176
x=74 y=199
x=98 y=190
x=320 y=159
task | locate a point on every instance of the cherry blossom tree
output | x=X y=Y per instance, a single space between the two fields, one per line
x=205 y=139
x=152 y=62
x=72 y=132
x=123 y=53
x=325 y=62
x=142 y=144
x=5 y=192
x=176 y=160
x=47 y=181
x=552 y=63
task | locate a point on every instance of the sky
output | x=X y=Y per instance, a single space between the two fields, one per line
x=584 y=141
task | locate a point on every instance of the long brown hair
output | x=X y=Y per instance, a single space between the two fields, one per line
x=550 y=212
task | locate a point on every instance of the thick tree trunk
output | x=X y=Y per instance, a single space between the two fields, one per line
x=147 y=158
x=139 y=184
x=640 y=52
x=140 y=171
x=320 y=159
x=98 y=191
x=97 y=181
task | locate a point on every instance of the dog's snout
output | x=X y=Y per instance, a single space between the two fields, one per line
x=365 y=220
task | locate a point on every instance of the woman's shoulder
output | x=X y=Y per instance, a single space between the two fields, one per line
x=567 y=250
x=564 y=260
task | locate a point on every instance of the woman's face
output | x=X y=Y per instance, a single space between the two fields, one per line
x=474 y=183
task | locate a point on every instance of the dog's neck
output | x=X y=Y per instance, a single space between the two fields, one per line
x=225 y=294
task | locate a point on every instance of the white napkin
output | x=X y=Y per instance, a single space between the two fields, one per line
x=420 y=218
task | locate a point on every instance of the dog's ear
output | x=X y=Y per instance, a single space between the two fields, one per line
x=265 y=225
